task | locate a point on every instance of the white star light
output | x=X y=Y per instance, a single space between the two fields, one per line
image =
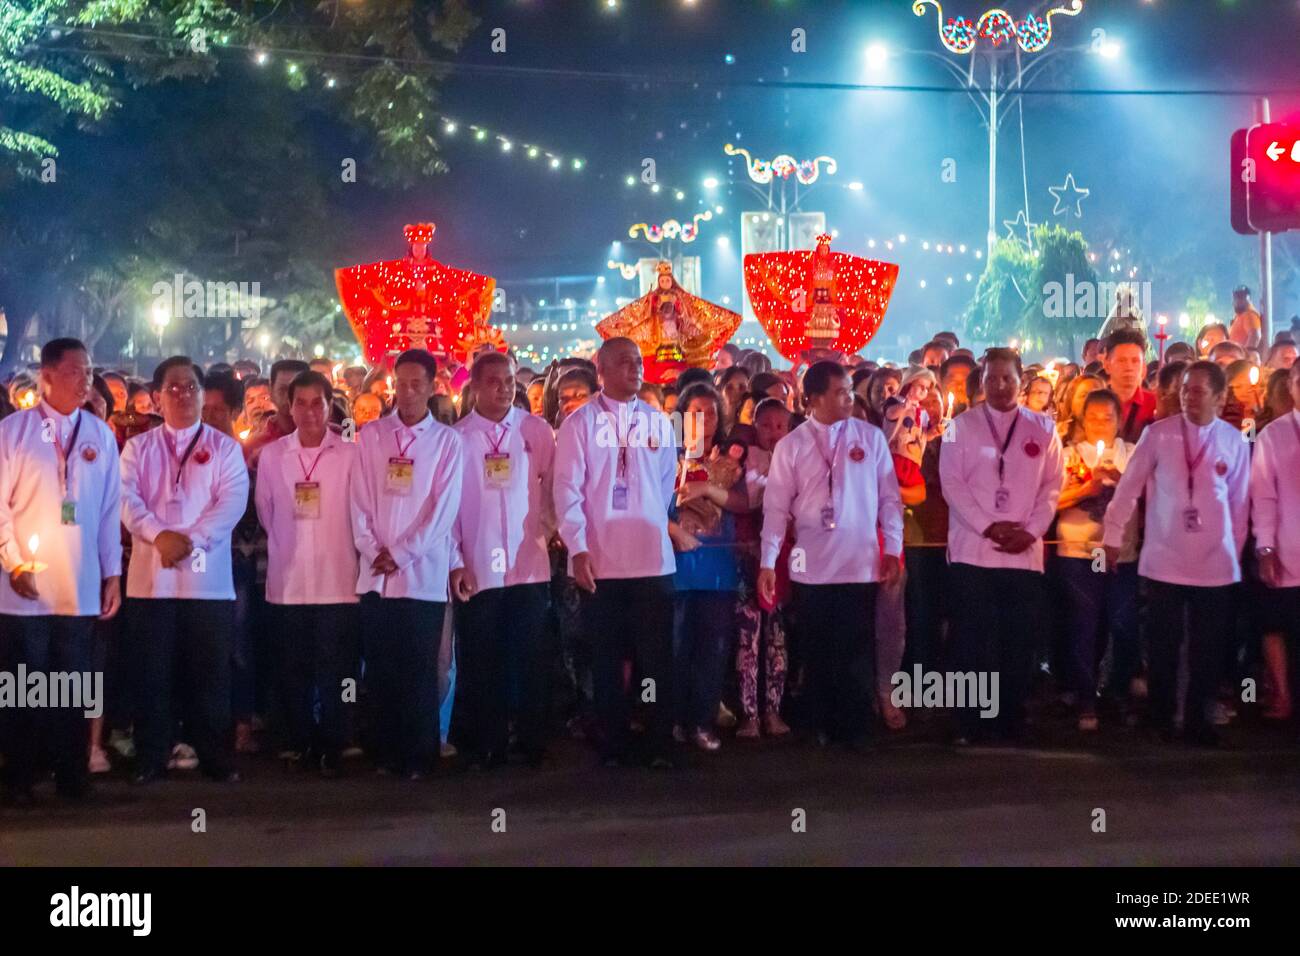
x=1021 y=222
x=1079 y=195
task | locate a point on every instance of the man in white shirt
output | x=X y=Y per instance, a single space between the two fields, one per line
x=304 y=501
x=501 y=569
x=1001 y=474
x=405 y=495
x=1275 y=516
x=184 y=488
x=615 y=471
x=1194 y=470
x=59 y=501
x=832 y=479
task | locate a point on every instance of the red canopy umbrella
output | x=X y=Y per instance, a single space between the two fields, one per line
x=815 y=300
x=417 y=303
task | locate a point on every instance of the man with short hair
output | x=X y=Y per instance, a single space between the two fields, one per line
x=832 y=480
x=59 y=502
x=303 y=496
x=933 y=355
x=184 y=487
x=953 y=376
x=501 y=567
x=1282 y=355
x=1001 y=472
x=1124 y=359
x=282 y=373
x=615 y=472
x=223 y=397
x=405 y=495
x=1225 y=353
x=1247 y=326
x=1194 y=470
x=1091 y=351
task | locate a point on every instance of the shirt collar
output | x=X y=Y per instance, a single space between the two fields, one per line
x=419 y=428
x=484 y=423
x=295 y=443
x=1000 y=416
x=182 y=435
x=63 y=421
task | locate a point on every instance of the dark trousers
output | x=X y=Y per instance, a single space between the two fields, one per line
x=838 y=623
x=192 y=642
x=54 y=737
x=501 y=668
x=1099 y=606
x=704 y=625
x=319 y=643
x=925 y=598
x=1204 y=616
x=402 y=637
x=995 y=611
x=631 y=619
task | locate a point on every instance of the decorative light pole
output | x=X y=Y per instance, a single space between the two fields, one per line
x=1005 y=36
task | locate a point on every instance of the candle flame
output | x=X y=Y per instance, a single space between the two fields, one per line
x=1101 y=446
x=27 y=399
x=1254 y=375
x=34 y=543
x=243 y=436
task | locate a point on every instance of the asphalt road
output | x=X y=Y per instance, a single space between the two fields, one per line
x=911 y=801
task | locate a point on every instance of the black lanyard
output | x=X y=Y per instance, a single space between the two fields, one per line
x=1002 y=460
x=186 y=457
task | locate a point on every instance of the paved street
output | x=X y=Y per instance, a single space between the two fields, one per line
x=913 y=801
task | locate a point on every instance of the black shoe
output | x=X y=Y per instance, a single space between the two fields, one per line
x=76 y=789
x=21 y=798
x=146 y=776
x=1203 y=736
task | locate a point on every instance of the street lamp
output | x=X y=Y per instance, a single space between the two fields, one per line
x=877 y=57
x=161 y=317
x=1004 y=37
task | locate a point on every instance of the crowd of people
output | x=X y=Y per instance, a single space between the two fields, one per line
x=424 y=562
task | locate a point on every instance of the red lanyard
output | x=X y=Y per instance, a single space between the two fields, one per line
x=1002 y=452
x=401 y=451
x=1191 y=462
x=496 y=442
x=63 y=453
x=307 y=472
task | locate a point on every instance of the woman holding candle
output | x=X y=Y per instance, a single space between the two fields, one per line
x=1099 y=606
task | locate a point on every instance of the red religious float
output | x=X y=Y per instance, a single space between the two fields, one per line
x=673 y=329
x=417 y=303
x=813 y=304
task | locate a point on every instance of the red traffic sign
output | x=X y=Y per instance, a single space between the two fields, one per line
x=1266 y=178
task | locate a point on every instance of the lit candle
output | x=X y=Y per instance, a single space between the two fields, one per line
x=950 y=401
x=1101 y=447
x=243 y=436
x=27 y=399
x=337 y=368
x=33 y=566
x=1254 y=375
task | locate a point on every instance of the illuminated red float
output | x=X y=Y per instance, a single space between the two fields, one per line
x=819 y=300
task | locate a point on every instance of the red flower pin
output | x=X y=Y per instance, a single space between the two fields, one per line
x=202 y=456
x=88 y=453
x=856 y=453
x=1032 y=449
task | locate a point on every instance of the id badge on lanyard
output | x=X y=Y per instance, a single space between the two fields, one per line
x=400 y=476
x=1192 y=514
x=496 y=469
x=68 y=504
x=306 y=500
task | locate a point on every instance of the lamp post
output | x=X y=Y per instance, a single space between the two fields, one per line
x=1005 y=36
